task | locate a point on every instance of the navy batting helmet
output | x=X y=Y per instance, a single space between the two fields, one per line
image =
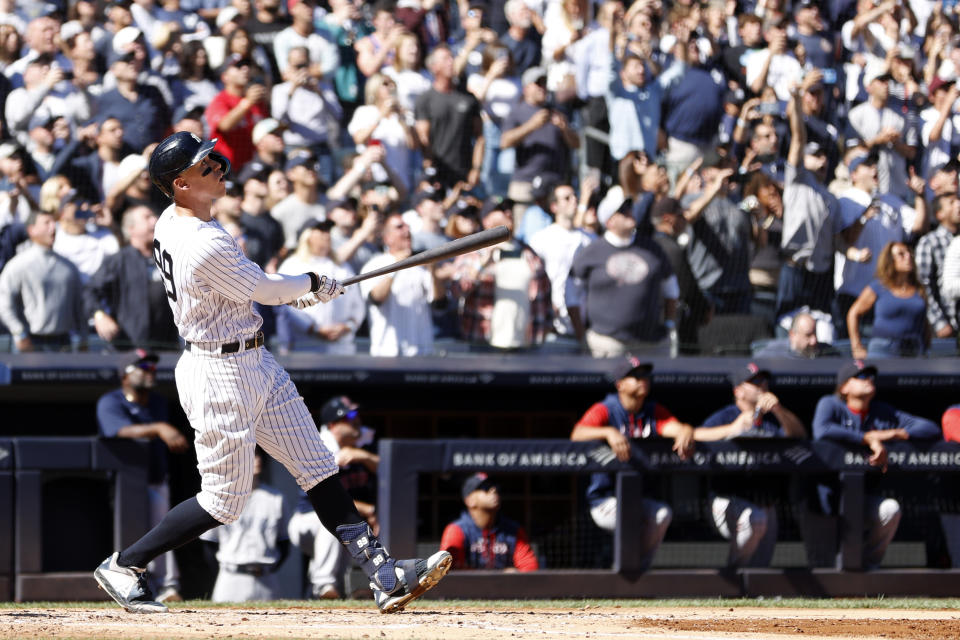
x=176 y=154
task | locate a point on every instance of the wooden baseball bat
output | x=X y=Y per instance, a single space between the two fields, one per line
x=466 y=244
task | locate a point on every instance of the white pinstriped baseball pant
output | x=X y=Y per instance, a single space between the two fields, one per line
x=235 y=402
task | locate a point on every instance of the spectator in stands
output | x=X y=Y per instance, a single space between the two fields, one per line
x=78 y=238
x=627 y=414
x=541 y=136
x=46 y=92
x=345 y=25
x=306 y=202
x=931 y=253
x=742 y=510
x=382 y=121
x=93 y=174
x=264 y=235
x=811 y=219
x=133 y=187
x=252 y=549
x=483 y=538
x=476 y=37
x=521 y=38
x=939 y=131
x=408 y=72
x=266 y=21
x=239 y=43
x=428 y=207
x=449 y=126
x=897 y=300
x=877 y=126
x=377 y=50
x=350 y=442
x=41 y=292
x=594 y=60
x=871 y=220
x=196 y=84
x=399 y=303
x=693 y=308
x=851 y=416
x=504 y=291
x=233 y=113
x=126 y=296
x=776 y=66
x=136 y=411
x=309 y=108
x=628 y=289
x=324 y=56
x=269 y=150
x=497 y=87
x=40 y=39
x=721 y=244
x=557 y=245
x=140 y=108
x=801 y=341
x=322 y=328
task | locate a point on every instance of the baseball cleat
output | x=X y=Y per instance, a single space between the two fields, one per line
x=414 y=578
x=127 y=586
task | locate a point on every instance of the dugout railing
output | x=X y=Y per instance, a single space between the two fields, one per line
x=403 y=461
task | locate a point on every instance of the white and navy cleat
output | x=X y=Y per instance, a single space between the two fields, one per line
x=414 y=578
x=128 y=586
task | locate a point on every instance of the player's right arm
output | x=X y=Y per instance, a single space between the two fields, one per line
x=595 y=425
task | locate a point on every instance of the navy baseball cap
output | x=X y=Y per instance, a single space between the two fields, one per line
x=855 y=369
x=747 y=373
x=320 y=225
x=142 y=359
x=632 y=367
x=423 y=195
x=477 y=482
x=496 y=203
x=338 y=409
x=301 y=159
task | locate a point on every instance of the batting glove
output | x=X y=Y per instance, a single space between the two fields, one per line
x=329 y=289
x=304 y=301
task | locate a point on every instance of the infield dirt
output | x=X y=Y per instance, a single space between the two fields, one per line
x=448 y=621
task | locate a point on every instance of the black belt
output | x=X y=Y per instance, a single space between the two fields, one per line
x=254 y=569
x=233 y=347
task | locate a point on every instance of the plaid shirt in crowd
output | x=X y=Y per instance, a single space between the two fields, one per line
x=930 y=252
x=474 y=283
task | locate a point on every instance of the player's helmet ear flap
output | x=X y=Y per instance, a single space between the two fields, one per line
x=176 y=154
x=223 y=160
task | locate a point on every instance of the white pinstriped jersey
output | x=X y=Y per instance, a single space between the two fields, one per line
x=209 y=281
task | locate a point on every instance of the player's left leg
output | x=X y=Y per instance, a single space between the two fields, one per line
x=287 y=432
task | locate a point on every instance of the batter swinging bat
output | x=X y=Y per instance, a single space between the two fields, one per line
x=450 y=249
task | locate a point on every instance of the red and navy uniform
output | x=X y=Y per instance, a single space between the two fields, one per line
x=502 y=546
x=951 y=423
x=648 y=422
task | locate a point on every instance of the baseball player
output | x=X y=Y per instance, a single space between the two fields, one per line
x=627 y=414
x=235 y=394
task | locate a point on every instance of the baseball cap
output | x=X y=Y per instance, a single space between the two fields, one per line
x=141 y=359
x=423 y=195
x=533 y=75
x=875 y=71
x=7 y=149
x=477 y=482
x=338 y=409
x=813 y=148
x=935 y=84
x=70 y=29
x=632 y=367
x=194 y=112
x=541 y=188
x=124 y=37
x=611 y=204
x=133 y=163
x=41 y=118
x=226 y=14
x=906 y=52
x=300 y=159
x=664 y=206
x=855 y=369
x=496 y=203
x=120 y=56
x=265 y=126
x=234 y=60
x=747 y=373
x=869 y=159
x=320 y=225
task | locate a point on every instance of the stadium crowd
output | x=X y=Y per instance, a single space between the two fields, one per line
x=680 y=177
